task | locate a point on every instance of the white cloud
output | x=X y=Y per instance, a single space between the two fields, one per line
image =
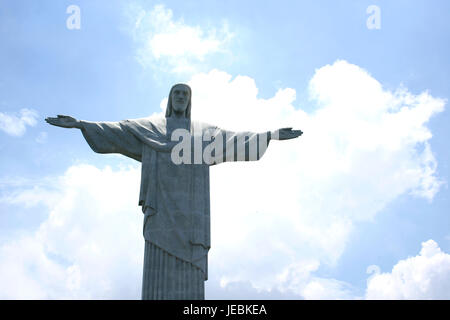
x=299 y=277
x=275 y=221
x=15 y=125
x=172 y=45
x=89 y=247
x=425 y=276
x=363 y=146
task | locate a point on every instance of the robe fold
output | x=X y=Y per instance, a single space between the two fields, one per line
x=175 y=197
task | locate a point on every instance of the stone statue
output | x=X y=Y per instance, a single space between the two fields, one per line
x=174 y=192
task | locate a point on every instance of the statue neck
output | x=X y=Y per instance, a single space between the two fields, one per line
x=173 y=123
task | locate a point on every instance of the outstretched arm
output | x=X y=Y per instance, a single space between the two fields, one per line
x=110 y=137
x=103 y=137
x=245 y=146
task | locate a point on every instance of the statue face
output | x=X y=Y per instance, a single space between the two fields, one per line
x=180 y=98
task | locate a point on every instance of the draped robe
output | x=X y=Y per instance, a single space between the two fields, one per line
x=174 y=197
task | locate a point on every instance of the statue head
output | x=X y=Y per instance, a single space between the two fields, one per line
x=179 y=103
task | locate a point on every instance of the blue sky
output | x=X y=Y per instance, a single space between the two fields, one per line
x=367 y=182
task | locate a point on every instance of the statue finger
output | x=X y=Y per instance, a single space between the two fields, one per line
x=294 y=135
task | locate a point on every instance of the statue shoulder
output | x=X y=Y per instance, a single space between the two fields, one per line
x=147 y=122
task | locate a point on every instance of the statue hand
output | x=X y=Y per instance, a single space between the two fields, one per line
x=285 y=134
x=64 y=122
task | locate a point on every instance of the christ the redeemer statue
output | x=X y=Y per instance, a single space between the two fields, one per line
x=174 y=192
